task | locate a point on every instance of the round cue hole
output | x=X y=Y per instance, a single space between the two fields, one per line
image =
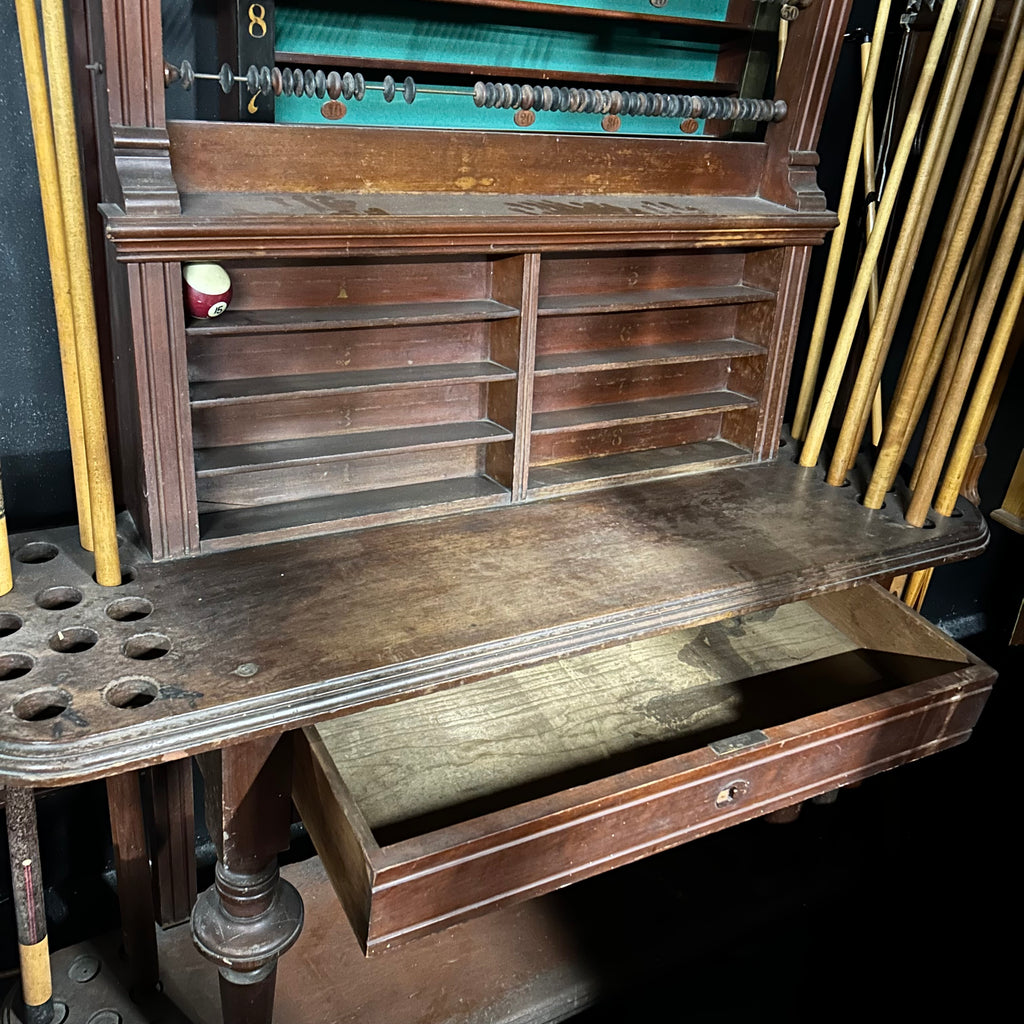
x=10 y=623
x=128 y=575
x=14 y=666
x=146 y=646
x=131 y=693
x=40 y=705
x=74 y=640
x=55 y=599
x=35 y=552
x=129 y=609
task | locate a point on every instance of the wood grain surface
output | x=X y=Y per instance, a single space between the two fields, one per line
x=276 y=637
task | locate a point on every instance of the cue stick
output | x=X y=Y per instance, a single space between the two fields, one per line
x=29 y=910
x=835 y=252
x=53 y=221
x=90 y=377
x=927 y=184
x=841 y=353
x=915 y=378
x=6 y=576
x=931 y=460
x=870 y=206
x=970 y=38
x=958 y=317
x=983 y=389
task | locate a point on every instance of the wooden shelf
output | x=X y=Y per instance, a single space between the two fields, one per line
x=662 y=298
x=206 y=394
x=244 y=458
x=643 y=411
x=242 y=527
x=644 y=355
x=330 y=318
x=634 y=467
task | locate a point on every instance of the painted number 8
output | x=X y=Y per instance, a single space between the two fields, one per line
x=257 y=24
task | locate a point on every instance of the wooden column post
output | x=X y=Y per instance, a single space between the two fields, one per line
x=250 y=916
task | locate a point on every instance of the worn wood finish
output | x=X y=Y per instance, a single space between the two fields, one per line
x=242 y=225
x=173 y=840
x=134 y=880
x=248 y=811
x=254 y=643
x=482 y=807
x=304 y=158
x=600 y=443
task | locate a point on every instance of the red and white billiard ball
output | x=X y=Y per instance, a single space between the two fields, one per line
x=207 y=289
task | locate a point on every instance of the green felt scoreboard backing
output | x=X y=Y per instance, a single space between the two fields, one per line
x=476 y=66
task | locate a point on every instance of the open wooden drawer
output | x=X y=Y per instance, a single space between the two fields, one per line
x=442 y=807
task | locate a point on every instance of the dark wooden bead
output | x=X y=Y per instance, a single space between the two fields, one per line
x=360 y=86
x=252 y=79
x=309 y=84
x=227 y=78
x=298 y=82
x=320 y=84
x=526 y=99
x=276 y=81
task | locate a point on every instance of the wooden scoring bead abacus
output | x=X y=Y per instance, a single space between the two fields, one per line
x=334 y=85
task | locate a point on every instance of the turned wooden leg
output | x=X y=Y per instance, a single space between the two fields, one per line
x=250 y=916
x=33 y=948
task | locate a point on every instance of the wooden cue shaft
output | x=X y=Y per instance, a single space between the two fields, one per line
x=983 y=388
x=90 y=378
x=869 y=224
x=927 y=185
x=946 y=351
x=837 y=365
x=29 y=910
x=932 y=459
x=914 y=379
x=991 y=121
x=6 y=575
x=969 y=40
x=835 y=253
x=53 y=221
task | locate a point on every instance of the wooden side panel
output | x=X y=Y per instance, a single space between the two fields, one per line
x=211 y=157
x=166 y=514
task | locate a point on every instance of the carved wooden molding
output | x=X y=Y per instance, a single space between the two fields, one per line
x=142 y=158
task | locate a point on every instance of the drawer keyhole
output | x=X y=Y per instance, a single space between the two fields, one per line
x=732 y=793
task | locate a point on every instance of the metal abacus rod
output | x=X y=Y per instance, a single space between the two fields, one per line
x=497 y=95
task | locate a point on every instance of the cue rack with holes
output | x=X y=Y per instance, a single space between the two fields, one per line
x=480 y=254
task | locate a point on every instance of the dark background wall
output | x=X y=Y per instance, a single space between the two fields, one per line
x=33 y=431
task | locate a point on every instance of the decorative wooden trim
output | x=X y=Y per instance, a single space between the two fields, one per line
x=135 y=61
x=168 y=517
x=143 y=161
x=812 y=53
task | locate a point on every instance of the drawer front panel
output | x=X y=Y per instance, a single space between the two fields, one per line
x=468 y=878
